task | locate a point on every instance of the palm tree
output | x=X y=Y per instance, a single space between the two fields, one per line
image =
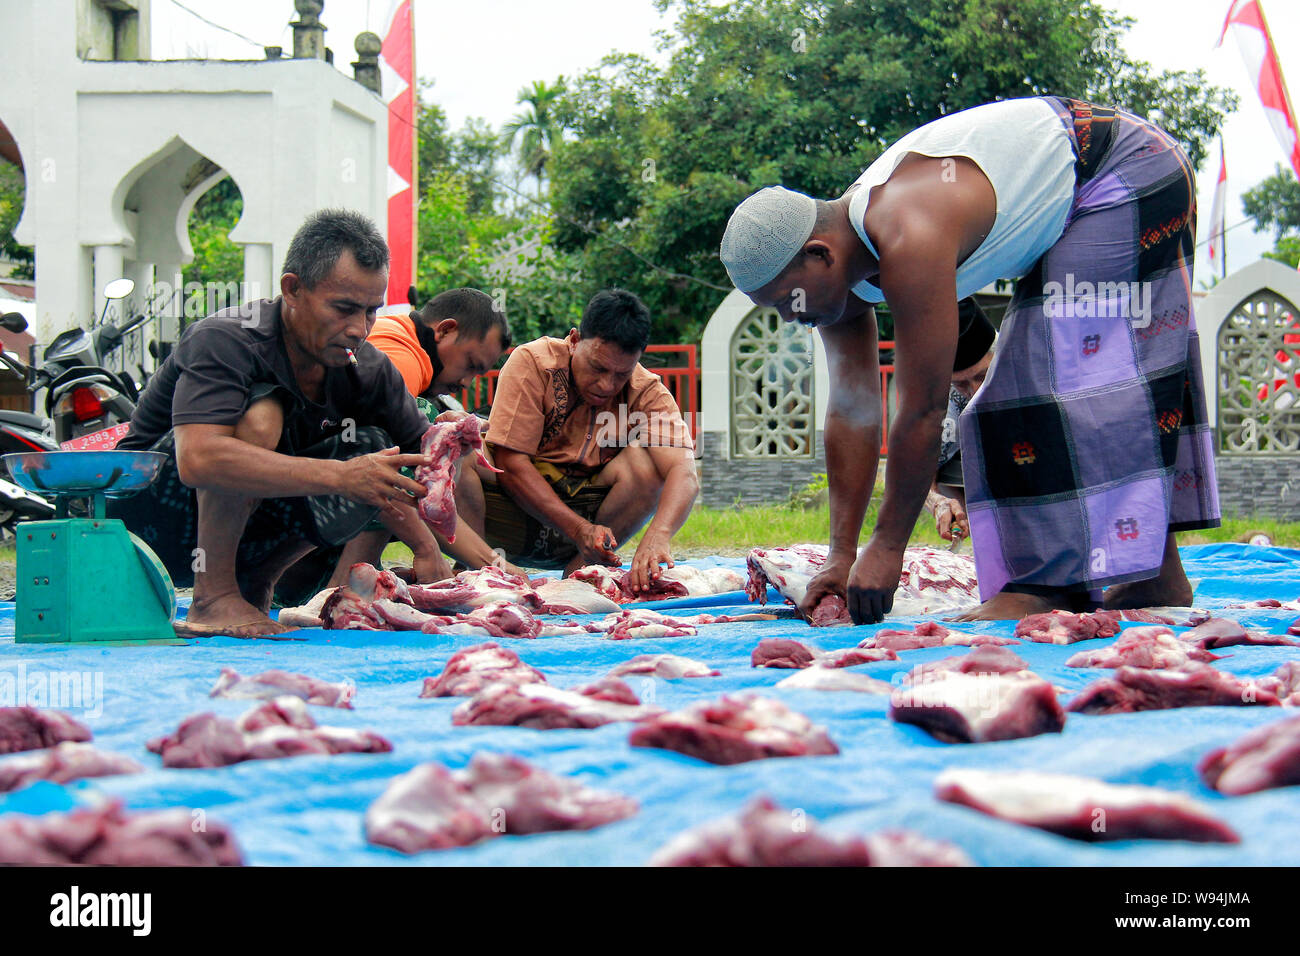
x=535 y=128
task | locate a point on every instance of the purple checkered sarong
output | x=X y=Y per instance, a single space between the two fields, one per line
x=1088 y=442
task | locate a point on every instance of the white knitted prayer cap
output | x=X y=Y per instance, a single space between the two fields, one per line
x=764 y=234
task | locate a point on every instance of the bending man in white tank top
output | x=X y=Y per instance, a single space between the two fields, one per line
x=1087 y=446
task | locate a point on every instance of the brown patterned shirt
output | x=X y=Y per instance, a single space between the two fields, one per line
x=537 y=411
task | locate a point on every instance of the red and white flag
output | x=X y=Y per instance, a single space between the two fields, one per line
x=397 y=66
x=1217 y=215
x=1246 y=20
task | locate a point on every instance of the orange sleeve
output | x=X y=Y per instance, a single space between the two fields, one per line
x=666 y=428
x=397 y=340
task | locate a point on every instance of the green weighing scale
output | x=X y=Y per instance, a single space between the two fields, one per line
x=88 y=579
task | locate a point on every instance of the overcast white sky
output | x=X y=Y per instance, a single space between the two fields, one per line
x=481 y=53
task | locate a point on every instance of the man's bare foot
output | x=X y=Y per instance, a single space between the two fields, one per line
x=232 y=611
x=259 y=594
x=1153 y=592
x=1012 y=606
x=1169 y=588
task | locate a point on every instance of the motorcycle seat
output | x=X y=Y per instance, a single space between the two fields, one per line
x=22 y=419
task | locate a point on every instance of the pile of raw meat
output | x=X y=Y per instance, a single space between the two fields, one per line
x=446 y=443
x=494 y=603
x=932 y=581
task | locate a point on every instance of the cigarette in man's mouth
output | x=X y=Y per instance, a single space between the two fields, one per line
x=351 y=358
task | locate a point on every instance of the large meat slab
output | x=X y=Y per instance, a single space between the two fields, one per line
x=109 y=836
x=431 y=808
x=1191 y=685
x=279 y=728
x=1267 y=757
x=735 y=730
x=766 y=835
x=26 y=728
x=271 y=684
x=962 y=707
x=932 y=581
x=1082 y=808
x=544 y=707
x=62 y=763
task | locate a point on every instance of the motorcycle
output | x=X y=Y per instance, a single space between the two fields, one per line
x=82 y=395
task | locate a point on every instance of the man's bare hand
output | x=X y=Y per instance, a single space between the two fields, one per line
x=652 y=552
x=430 y=566
x=377 y=479
x=832 y=579
x=872 y=583
x=950 y=520
x=597 y=545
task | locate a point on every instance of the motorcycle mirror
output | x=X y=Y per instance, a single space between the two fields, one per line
x=13 y=321
x=119 y=289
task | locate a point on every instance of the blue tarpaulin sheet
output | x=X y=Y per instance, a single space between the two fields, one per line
x=308 y=810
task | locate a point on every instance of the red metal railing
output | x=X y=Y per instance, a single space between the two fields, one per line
x=682 y=378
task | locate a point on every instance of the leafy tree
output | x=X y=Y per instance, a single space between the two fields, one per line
x=535 y=129
x=1274 y=204
x=807 y=93
x=216 y=258
x=13 y=189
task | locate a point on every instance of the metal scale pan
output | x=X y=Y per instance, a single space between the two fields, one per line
x=70 y=570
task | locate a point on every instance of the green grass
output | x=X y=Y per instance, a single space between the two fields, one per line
x=733 y=531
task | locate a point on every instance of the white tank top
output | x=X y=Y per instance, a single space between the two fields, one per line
x=1023 y=148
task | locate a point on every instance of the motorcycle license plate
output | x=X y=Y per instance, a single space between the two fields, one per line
x=104 y=440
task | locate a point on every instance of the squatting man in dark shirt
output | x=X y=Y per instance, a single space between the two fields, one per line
x=277 y=442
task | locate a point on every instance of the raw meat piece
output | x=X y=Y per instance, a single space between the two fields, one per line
x=1150 y=647
x=977 y=708
x=1192 y=685
x=431 y=808
x=819 y=677
x=26 y=728
x=109 y=836
x=1082 y=808
x=1284 y=684
x=630 y=625
x=765 y=835
x=666 y=666
x=683 y=581
x=472 y=589
x=988 y=659
x=1146 y=617
x=831 y=611
x=1267 y=757
x=498 y=619
x=446 y=443
x=1220 y=632
x=62 y=763
x=853 y=656
x=932 y=580
x=569 y=596
x=906 y=848
x=344 y=610
x=468 y=671
x=369 y=583
x=780 y=652
x=1295 y=627
x=608 y=581
x=734 y=730
x=926 y=634
x=543 y=707
x=278 y=728
x=427 y=809
x=1063 y=627
x=608 y=688
x=1266 y=604
x=270 y=684
x=306 y=615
